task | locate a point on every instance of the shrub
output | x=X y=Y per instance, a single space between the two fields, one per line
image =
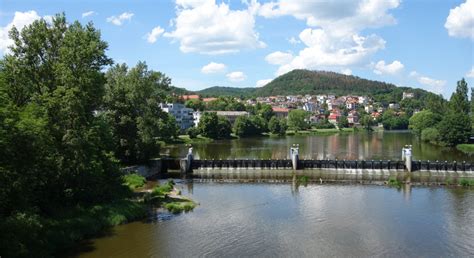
x=134 y=181
x=430 y=135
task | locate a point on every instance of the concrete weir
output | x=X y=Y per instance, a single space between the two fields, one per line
x=329 y=170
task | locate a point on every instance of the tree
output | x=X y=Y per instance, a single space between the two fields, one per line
x=224 y=127
x=213 y=126
x=297 y=119
x=249 y=125
x=430 y=134
x=277 y=126
x=132 y=106
x=455 y=127
x=266 y=111
x=343 y=122
x=366 y=121
x=422 y=120
x=394 y=121
x=56 y=151
x=196 y=104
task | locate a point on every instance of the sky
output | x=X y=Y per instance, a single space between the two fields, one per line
x=426 y=44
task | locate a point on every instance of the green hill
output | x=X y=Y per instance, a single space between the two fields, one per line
x=217 y=91
x=321 y=82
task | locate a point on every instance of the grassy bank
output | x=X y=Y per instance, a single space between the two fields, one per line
x=466 y=148
x=167 y=196
x=321 y=131
x=31 y=235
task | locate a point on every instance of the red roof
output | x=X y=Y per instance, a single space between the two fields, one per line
x=279 y=109
x=186 y=97
x=208 y=99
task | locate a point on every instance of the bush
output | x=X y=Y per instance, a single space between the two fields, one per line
x=430 y=135
x=134 y=181
x=193 y=132
x=324 y=124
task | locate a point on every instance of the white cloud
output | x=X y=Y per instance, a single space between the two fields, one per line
x=279 y=58
x=337 y=17
x=213 y=68
x=325 y=51
x=460 y=22
x=470 y=74
x=236 y=76
x=294 y=41
x=208 y=28
x=434 y=85
x=154 y=34
x=118 y=20
x=20 y=20
x=393 y=68
x=89 y=13
x=346 y=71
x=261 y=83
x=333 y=40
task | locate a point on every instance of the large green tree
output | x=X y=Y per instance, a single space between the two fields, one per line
x=132 y=107
x=422 y=120
x=55 y=151
x=213 y=126
x=455 y=127
x=297 y=119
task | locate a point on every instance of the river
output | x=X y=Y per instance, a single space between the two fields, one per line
x=385 y=145
x=285 y=220
x=280 y=220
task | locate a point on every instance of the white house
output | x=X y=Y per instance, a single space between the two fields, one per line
x=182 y=114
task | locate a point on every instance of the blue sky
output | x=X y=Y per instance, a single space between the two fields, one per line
x=198 y=44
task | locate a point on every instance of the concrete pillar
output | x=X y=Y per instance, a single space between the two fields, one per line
x=407 y=157
x=185 y=164
x=294 y=155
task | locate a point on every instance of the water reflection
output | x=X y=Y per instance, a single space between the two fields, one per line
x=375 y=145
x=281 y=220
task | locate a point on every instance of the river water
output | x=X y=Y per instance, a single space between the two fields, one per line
x=281 y=220
x=352 y=146
x=285 y=220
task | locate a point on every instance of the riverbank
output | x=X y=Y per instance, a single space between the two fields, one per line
x=466 y=148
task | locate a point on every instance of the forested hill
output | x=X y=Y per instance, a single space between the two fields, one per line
x=227 y=91
x=299 y=82
x=321 y=82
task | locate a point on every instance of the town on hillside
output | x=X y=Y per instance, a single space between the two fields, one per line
x=323 y=108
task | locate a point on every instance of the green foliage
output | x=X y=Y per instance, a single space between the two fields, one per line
x=422 y=120
x=320 y=82
x=324 y=124
x=193 y=132
x=393 y=181
x=297 y=119
x=249 y=126
x=196 y=104
x=466 y=148
x=430 y=134
x=366 y=121
x=393 y=121
x=277 y=126
x=225 y=104
x=132 y=108
x=30 y=235
x=343 y=122
x=266 y=112
x=467 y=182
x=180 y=206
x=163 y=189
x=218 y=91
x=134 y=181
x=213 y=126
